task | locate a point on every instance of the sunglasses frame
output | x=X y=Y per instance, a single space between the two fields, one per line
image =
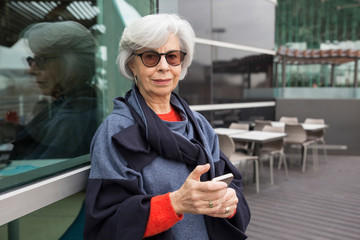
x=161 y=54
x=39 y=61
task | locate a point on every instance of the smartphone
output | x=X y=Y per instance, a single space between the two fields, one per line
x=227 y=178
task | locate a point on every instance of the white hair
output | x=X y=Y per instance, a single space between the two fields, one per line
x=69 y=39
x=153 y=31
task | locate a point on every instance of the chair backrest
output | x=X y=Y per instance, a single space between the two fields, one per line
x=243 y=126
x=273 y=129
x=259 y=124
x=317 y=134
x=227 y=145
x=295 y=133
x=291 y=120
x=275 y=145
x=240 y=145
x=314 y=120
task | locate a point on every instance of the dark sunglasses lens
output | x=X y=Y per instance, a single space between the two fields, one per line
x=175 y=57
x=39 y=62
x=30 y=60
x=150 y=59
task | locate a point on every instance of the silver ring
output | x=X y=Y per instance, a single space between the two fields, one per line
x=211 y=205
x=227 y=210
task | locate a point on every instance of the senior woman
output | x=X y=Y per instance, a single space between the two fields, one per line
x=153 y=158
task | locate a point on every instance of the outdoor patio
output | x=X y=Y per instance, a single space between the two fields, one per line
x=322 y=204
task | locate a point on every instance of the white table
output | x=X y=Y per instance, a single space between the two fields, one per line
x=250 y=136
x=254 y=137
x=258 y=136
x=229 y=131
x=306 y=126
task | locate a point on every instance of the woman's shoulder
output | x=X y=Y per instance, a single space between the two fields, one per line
x=201 y=119
x=203 y=123
x=118 y=119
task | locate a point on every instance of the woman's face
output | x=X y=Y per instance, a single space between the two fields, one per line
x=157 y=83
x=47 y=74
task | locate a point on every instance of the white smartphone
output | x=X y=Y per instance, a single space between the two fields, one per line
x=227 y=178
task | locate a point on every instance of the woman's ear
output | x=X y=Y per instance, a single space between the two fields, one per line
x=131 y=66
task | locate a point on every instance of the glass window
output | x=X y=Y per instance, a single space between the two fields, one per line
x=57 y=83
x=249 y=23
x=226 y=74
x=57 y=80
x=50 y=100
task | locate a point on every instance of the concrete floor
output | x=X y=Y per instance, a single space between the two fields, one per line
x=315 y=205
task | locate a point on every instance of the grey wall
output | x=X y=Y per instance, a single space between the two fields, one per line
x=343 y=116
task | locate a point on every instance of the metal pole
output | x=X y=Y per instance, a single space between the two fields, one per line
x=332 y=79
x=283 y=72
x=248 y=76
x=276 y=75
x=356 y=83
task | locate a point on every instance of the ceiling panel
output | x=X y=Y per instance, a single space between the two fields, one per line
x=15 y=16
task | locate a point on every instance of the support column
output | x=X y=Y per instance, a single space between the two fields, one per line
x=283 y=75
x=332 y=78
x=356 y=83
x=276 y=75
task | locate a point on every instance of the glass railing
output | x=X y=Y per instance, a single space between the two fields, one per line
x=304 y=93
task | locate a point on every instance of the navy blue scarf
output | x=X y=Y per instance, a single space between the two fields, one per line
x=139 y=149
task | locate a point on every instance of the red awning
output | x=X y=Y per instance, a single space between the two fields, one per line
x=317 y=56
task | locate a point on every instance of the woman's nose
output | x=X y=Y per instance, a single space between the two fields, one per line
x=163 y=64
x=33 y=68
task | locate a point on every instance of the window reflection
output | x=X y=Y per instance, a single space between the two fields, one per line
x=233 y=78
x=61 y=113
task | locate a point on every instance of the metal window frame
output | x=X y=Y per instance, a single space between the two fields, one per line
x=29 y=198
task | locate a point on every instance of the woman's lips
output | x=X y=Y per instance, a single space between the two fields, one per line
x=40 y=84
x=162 y=81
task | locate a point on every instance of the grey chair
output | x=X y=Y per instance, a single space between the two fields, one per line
x=289 y=120
x=259 y=124
x=227 y=146
x=273 y=149
x=318 y=136
x=296 y=135
x=241 y=145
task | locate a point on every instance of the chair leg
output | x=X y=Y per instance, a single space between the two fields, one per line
x=304 y=158
x=280 y=162
x=261 y=166
x=252 y=148
x=271 y=169
x=315 y=158
x=282 y=156
x=325 y=152
x=257 y=182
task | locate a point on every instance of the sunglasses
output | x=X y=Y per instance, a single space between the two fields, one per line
x=152 y=58
x=39 y=61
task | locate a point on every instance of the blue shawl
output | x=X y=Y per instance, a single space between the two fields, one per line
x=124 y=215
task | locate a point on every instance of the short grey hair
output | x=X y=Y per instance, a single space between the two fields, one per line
x=70 y=40
x=153 y=31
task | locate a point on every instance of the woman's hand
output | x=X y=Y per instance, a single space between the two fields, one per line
x=214 y=199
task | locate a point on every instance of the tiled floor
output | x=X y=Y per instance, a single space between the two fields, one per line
x=315 y=205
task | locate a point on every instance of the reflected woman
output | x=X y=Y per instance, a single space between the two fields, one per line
x=63 y=66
